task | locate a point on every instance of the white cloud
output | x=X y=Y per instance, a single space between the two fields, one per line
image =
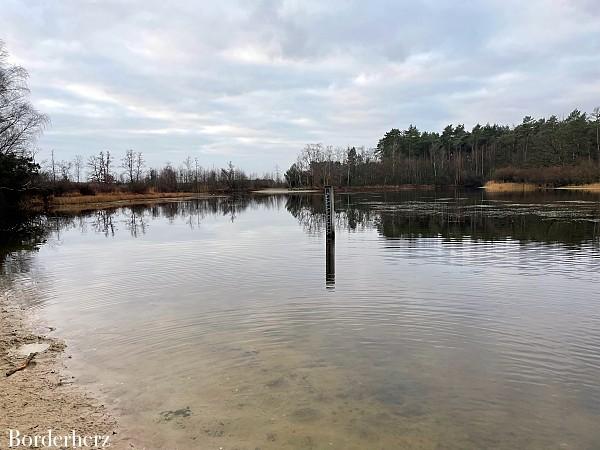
x=256 y=80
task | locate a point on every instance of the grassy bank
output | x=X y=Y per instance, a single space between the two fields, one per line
x=119 y=196
x=77 y=201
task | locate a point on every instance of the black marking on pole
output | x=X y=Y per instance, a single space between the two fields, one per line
x=329 y=212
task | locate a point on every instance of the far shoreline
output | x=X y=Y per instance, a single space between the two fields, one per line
x=74 y=203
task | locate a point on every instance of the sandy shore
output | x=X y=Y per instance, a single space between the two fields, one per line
x=592 y=187
x=497 y=186
x=41 y=397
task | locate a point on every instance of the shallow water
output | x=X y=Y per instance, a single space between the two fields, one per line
x=447 y=321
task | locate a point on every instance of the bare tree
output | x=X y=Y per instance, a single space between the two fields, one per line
x=77 y=167
x=228 y=175
x=100 y=168
x=107 y=170
x=20 y=123
x=188 y=172
x=53 y=166
x=65 y=169
x=95 y=172
x=138 y=166
x=128 y=163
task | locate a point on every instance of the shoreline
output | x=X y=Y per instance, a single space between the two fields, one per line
x=42 y=397
x=273 y=191
x=69 y=203
x=490 y=186
x=591 y=187
x=508 y=187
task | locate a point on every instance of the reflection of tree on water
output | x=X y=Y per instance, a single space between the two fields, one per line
x=137 y=223
x=27 y=232
x=19 y=236
x=103 y=222
x=393 y=215
x=415 y=215
x=310 y=212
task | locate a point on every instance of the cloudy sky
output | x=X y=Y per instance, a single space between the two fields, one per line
x=253 y=81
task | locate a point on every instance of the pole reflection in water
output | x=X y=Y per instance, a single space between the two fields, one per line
x=330 y=263
x=329 y=238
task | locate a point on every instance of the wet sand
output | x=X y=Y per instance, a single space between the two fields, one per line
x=42 y=396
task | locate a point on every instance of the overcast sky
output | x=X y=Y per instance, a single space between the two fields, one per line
x=253 y=81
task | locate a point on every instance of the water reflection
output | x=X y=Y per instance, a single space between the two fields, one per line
x=566 y=218
x=20 y=238
x=330 y=262
x=458 y=321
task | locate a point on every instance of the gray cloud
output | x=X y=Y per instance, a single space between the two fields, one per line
x=254 y=81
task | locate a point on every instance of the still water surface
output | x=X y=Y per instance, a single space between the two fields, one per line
x=441 y=321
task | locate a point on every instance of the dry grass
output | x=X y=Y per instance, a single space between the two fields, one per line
x=495 y=186
x=76 y=199
x=77 y=202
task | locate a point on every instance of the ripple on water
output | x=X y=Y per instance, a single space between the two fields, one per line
x=458 y=322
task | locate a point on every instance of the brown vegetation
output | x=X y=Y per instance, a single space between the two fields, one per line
x=77 y=199
x=74 y=201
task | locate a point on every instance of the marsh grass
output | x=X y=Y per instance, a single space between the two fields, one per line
x=76 y=198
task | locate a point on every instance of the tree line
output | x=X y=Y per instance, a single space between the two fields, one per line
x=105 y=172
x=548 y=151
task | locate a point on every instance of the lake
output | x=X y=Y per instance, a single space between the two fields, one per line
x=435 y=320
